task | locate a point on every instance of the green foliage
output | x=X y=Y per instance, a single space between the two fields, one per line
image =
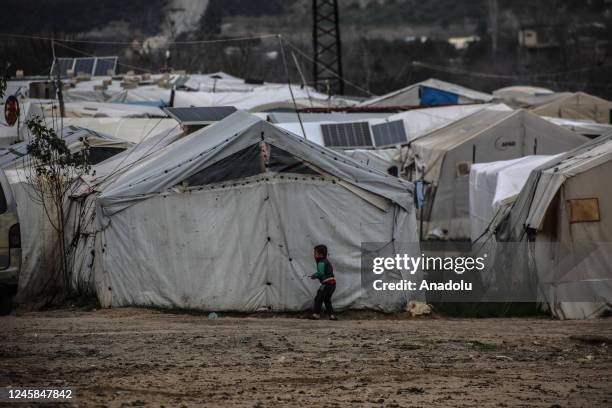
x=50 y=155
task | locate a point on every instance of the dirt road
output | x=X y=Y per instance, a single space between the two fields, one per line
x=136 y=357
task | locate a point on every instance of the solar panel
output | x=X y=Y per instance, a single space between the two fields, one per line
x=104 y=64
x=63 y=64
x=200 y=115
x=96 y=66
x=389 y=133
x=355 y=134
x=84 y=65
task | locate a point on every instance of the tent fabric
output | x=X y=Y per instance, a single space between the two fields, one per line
x=82 y=214
x=39 y=244
x=539 y=221
x=17 y=154
x=86 y=109
x=486 y=136
x=433 y=97
x=158 y=238
x=166 y=251
x=579 y=106
x=133 y=130
x=496 y=185
x=238 y=131
x=411 y=95
x=586 y=128
x=552 y=178
x=379 y=159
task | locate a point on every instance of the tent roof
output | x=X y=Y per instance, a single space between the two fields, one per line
x=464 y=129
x=235 y=133
x=437 y=84
x=553 y=174
x=578 y=97
x=522 y=90
x=72 y=135
x=431 y=148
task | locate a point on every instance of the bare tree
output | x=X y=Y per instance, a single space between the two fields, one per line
x=51 y=170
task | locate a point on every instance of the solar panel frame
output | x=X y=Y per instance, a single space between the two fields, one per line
x=201 y=115
x=103 y=64
x=95 y=66
x=347 y=135
x=84 y=65
x=389 y=133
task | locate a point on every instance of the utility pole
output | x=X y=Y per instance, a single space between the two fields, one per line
x=493 y=23
x=327 y=47
x=58 y=84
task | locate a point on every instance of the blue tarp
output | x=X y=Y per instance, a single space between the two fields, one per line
x=434 y=97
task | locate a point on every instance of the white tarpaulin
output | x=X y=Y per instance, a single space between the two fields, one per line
x=495 y=185
x=226 y=219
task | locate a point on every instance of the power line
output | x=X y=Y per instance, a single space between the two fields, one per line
x=99 y=42
x=528 y=77
x=305 y=56
x=92 y=55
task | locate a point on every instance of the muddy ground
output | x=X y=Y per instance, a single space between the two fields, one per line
x=139 y=357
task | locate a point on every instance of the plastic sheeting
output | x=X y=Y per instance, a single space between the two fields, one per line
x=496 y=185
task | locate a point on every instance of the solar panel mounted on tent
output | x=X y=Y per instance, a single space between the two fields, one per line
x=63 y=64
x=200 y=115
x=84 y=65
x=104 y=64
x=354 y=134
x=389 y=133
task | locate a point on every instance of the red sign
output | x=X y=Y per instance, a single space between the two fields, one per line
x=11 y=110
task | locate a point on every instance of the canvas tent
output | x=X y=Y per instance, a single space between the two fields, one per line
x=38 y=240
x=431 y=92
x=494 y=187
x=226 y=218
x=443 y=158
x=562 y=221
x=580 y=106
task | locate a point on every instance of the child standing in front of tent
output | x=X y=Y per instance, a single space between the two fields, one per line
x=325 y=275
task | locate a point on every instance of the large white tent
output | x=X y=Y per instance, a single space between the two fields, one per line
x=443 y=158
x=226 y=218
x=560 y=228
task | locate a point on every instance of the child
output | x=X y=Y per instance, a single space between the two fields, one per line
x=325 y=275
